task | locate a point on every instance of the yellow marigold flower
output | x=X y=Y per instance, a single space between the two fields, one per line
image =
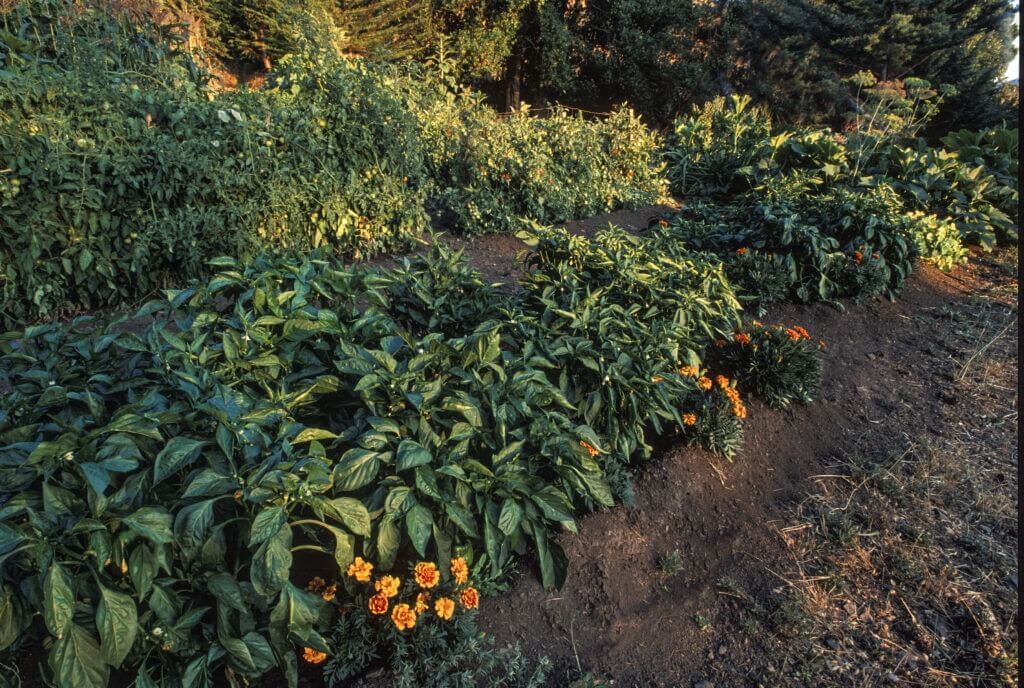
x=329 y=592
x=316 y=584
x=742 y=338
x=704 y=383
x=689 y=371
x=378 y=604
x=421 y=602
x=591 y=449
x=689 y=419
x=403 y=616
x=360 y=569
x=313 y=656
x=387 y=586
x=460 y=570
x=444 y=607
x=470 y=598
x=426 y=574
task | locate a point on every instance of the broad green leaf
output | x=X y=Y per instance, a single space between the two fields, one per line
x=412 y=454
x=178 y=453
x=77 y=661
x=419 y=523
x=58 y=600
x=153 y=523
x=351 y=512
x=117 y=623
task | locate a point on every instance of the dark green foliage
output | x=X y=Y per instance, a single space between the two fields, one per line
x=651 y=53
x=616 y=318
x=127 y=181
x=440 y=292
x=779 y=365
x=802 y=50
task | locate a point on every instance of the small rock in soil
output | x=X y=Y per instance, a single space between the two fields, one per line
x=704 y=684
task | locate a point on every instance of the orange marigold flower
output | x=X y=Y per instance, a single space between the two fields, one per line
x=689 y=419
x=316 y=584
x=329 y=592
x=802 y=332
x=360 y=569
x=591 y=449
x=722 y=381
x=387 y=586
x=663 y=223
x=313 y=656
x=858 y=256
x=793 y=334
x=426 y=574
x=470 y=598
x=421 y=602
x=460 y=570
x=403 y=616
x=378 y=604
x=742 y=250
x=689 y=371
x=742 y=338
x=444 y=607
x=704 y=383
x=739 y=410
x=720 y=343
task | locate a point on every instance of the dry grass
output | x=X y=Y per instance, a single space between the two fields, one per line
x=903 y=563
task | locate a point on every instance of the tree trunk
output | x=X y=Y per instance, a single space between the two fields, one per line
x=514 y=78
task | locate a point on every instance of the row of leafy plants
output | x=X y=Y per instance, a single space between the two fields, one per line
x=122 y=171
x=812 y=214
x=169 y=492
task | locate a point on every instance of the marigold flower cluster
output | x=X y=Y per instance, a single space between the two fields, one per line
x=738 y=408
x=689 y=371
x=406 y=613
x=704 y=383
x=796 y=333
x=741 y=338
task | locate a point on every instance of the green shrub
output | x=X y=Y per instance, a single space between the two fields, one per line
x=174 y=472
x=937 y=240
x=778 y=364
x=831 y=245
x=616 y=318
x=440 y=292
x=493 y=172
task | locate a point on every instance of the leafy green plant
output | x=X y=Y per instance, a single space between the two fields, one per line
x=439 y=292
x=777 y=364
x=937 y=240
